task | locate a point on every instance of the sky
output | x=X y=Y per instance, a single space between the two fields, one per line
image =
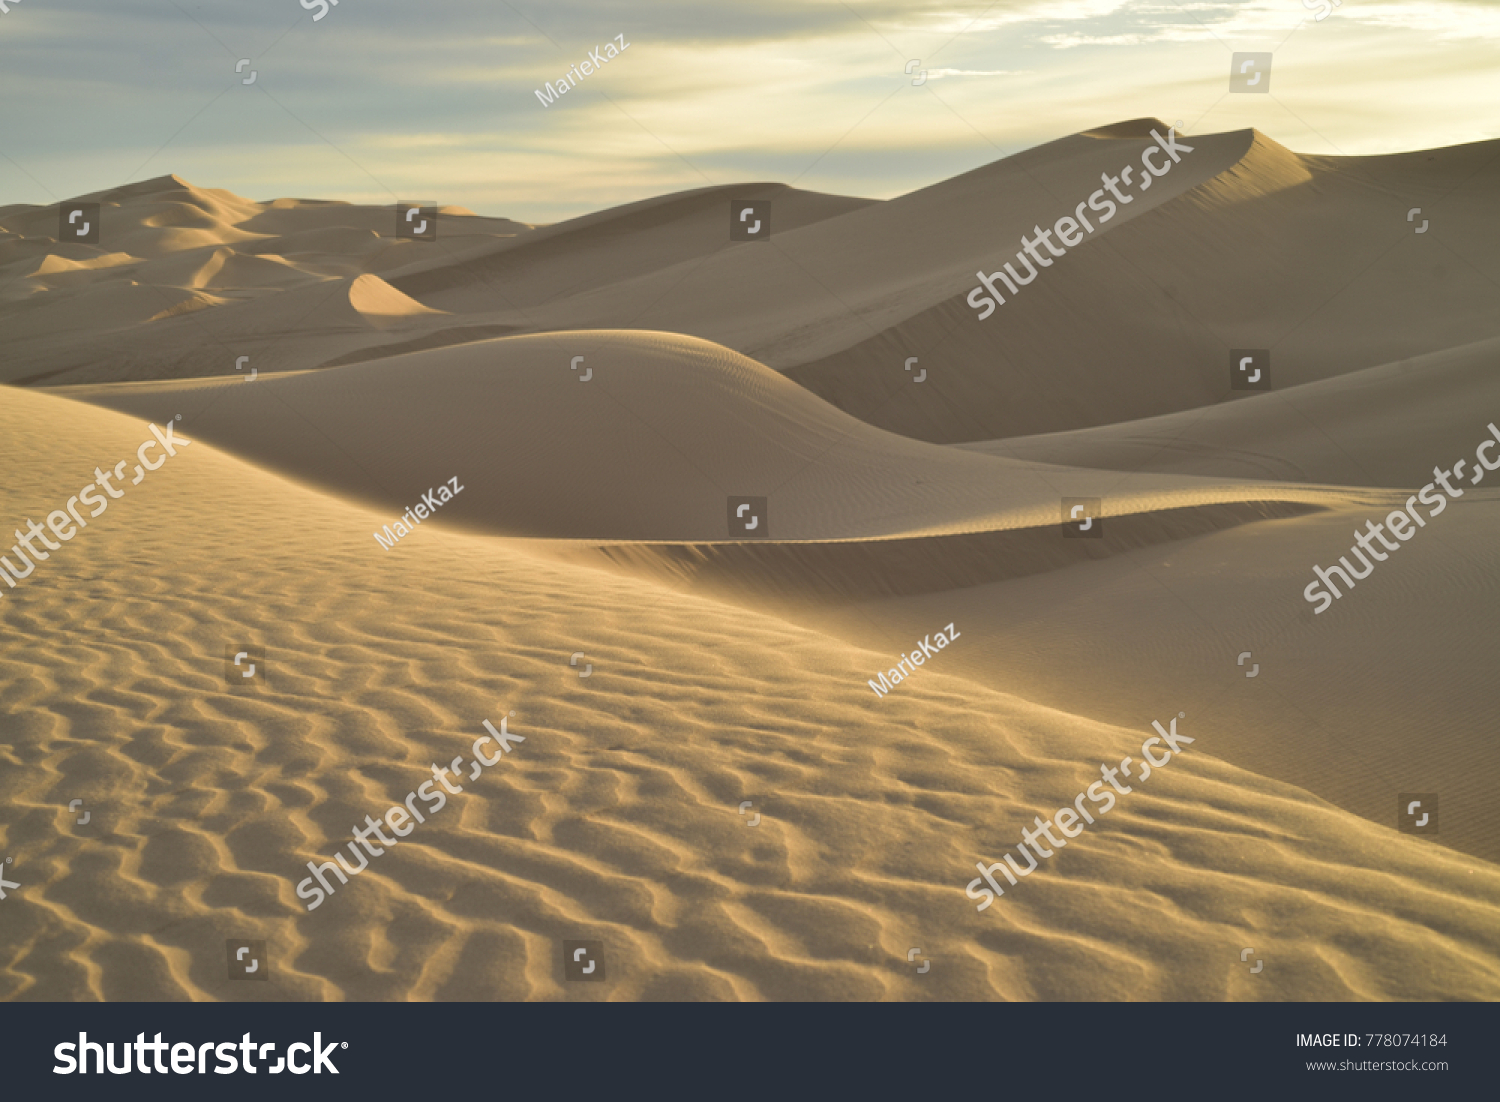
x=382 y=100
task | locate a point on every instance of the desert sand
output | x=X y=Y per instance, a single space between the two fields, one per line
x=723 y=668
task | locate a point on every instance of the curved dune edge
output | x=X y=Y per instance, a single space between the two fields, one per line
x=616 y=819
x=1237 y=247
x=835 y=571
x=381 y=305
x=540 y=448
x=1383 y=426
x=1143 y=327
x=581 y=254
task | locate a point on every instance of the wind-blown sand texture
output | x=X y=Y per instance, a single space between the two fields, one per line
x=593 y=519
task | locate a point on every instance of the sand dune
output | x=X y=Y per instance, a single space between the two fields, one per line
x=609 y=246
x=842 y=281
x=1380 y=695
x=184 y=249
x=382 y=306
x=107 y=304
x=59 y=267
x=209 y=802
x=1310 y=257
x=1384 y=426
x=601 y=389
x=224 y=268
x=699 y=422
x=849 y=289
x=344 y=245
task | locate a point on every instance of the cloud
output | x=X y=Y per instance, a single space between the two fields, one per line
x=938 y=74
x=391 y=97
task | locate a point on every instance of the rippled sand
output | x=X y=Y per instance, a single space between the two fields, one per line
x=617 y=819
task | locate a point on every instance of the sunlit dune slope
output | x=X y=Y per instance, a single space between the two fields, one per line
x=620 y=243
x=817 y=290
x=1311 y=258
x=1386 y=692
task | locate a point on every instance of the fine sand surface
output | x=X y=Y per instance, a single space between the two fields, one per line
x=617 y=818
x=601 y=389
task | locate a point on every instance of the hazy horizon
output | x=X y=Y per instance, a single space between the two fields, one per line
x=380 y=100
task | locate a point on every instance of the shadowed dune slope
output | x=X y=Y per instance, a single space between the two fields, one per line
x=650 y=447
x=616 y=818
x=1384 y=426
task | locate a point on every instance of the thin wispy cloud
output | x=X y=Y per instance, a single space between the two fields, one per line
x=383 y=96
